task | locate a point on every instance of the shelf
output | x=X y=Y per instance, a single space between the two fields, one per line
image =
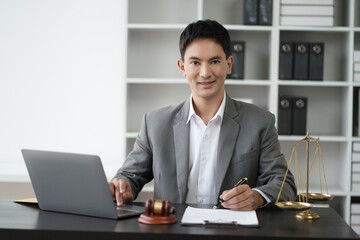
x=247 y=82
x=313 y=83
x=292 y=138
x=248 y=28
x=250 y=82
x=315 y=29
x=296 y=138
x=175 y=26
x=144 y=26
x=154 y=80
x=337 y=191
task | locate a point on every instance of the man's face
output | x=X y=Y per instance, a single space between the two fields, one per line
x=205 y=66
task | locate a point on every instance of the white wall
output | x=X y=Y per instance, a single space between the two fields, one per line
x=61 y=80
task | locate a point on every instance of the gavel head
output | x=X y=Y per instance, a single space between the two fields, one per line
x=158 y=207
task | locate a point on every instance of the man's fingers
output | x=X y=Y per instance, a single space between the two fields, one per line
x=240 y=198
x=118 y=195
x=228 y=194
x=123 y=193
x=112 y=189
x=123 y=184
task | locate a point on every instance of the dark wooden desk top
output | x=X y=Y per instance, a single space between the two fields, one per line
x=26 y=221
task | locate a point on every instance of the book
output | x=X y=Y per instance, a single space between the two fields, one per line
x=355 y=219
x=250 y=12
x=356 y=177
x=356 y=167
x=356 y=76
x=265 y=12
x=355 y=187
x=301 y=61
x=319 y=21
x=356 y=157
x=238 y=53
x=299 y=116
x=285 y=116
x=355 y=208
x=356 y=147
x=306 y=10
x=356 y=56
x=286 y=60
x=357 y=112
x=316 y=60
x=356 y=66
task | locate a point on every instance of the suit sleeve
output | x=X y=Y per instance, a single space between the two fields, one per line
x=137 y=167
x=272 y=166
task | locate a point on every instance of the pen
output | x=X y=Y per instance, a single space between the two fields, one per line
x=240 y=182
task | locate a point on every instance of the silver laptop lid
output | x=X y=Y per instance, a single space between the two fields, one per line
x=72 y=183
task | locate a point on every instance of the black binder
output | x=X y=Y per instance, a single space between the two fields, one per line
x=284 y=116
x=299 y=109
x=238 y=53
x=316 y=61
x=250 y=12
x=301 y=61
x=286 y=56
x=265 y=12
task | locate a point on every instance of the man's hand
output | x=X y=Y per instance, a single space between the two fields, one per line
x=121 y=191
x=242 y=198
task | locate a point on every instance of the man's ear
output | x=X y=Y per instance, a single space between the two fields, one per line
x=230 y=62
x=180 y=64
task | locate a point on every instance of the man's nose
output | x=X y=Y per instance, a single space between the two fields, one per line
x=205 y=71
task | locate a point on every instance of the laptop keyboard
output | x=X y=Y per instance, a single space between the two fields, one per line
x=122 y=211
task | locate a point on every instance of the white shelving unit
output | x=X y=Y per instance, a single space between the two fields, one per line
x=154 y=80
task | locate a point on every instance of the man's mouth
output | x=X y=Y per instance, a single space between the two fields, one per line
x=207 y=83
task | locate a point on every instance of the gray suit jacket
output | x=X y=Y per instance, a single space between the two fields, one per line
x=248 y=147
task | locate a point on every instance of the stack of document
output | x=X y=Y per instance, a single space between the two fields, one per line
x=355 y=217
x=202 y=216
x=356 y=66
x=307 y=13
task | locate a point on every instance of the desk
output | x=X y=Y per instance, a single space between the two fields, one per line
x=26 y=221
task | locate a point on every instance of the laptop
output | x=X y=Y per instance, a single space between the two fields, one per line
x=73 y=183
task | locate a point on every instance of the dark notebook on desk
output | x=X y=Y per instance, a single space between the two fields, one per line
x=73 y=183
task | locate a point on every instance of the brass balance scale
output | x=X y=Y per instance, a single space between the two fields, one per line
x=304 y=197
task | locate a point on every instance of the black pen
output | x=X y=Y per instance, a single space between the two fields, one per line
x=240 y=182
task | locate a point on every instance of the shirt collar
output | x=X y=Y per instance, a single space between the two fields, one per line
x=219 y=113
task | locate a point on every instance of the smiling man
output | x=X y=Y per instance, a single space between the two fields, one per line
x=197 y=150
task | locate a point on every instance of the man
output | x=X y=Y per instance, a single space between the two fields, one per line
x=196 y=151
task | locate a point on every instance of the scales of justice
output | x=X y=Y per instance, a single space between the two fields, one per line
x=304 y=197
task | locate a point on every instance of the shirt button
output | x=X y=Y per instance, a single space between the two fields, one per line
x=201 y=201
x=203 y=158
x=206 y=136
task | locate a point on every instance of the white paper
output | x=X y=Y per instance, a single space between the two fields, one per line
x=200 y=215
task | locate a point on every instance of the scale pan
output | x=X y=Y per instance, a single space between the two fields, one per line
x=319 y=196
x=293 y=205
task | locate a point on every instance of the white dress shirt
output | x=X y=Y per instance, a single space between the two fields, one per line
x=203 y=147
x=204 y=141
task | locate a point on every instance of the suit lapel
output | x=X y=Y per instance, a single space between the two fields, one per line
x=227 y=140
x=181 y=142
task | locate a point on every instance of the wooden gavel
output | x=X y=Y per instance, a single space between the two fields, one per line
x=159 y=207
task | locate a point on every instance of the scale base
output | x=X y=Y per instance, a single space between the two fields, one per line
x=307 y=215
x=155 y=219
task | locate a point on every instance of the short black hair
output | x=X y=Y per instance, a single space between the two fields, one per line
x=205 y=29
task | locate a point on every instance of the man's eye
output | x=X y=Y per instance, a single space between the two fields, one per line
x=194 y=63
x=215 y=62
